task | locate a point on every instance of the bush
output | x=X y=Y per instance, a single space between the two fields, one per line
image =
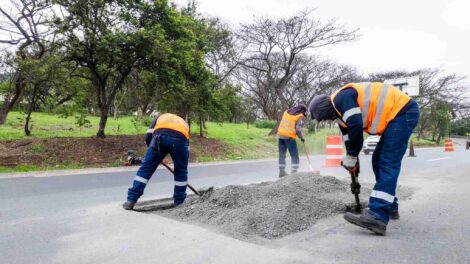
x=311 y=125
x=265 y=124
x=147 y=120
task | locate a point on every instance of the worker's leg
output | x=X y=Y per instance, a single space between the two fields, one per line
x=294 y=154
x=180 y=155
x=282 y=144
x=376 y=158
x=375 y=167
x=395 y=141
x=151 y=161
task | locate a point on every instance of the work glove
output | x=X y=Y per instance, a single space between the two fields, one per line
x=349 y=162
x=302 y=139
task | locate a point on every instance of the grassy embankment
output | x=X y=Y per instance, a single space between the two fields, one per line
x=240 y=142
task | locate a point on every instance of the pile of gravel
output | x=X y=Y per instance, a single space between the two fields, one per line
x=270 y=209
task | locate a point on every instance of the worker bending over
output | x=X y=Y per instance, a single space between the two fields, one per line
x=378 y=109
x=168 y=134
x=288 y=130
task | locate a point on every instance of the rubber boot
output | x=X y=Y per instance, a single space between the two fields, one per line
x=282 y=173
x=394 y=215
x=366 y=220
x=128 y=205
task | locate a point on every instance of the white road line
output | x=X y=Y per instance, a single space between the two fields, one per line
x=443 y=158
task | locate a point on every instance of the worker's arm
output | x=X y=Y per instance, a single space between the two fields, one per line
x=298 y=128
x=346 y=103
x=149 y=135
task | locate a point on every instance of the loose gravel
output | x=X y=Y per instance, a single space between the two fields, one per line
x=269 y=210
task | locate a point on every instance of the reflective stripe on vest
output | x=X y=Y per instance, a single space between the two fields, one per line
x=287 y=126
x=379 y=104
x=173 y=122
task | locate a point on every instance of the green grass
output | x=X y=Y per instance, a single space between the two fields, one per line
x=316 y=143
x=29 y=168
x=425 y=142
x=49 y=125
x=242 y=142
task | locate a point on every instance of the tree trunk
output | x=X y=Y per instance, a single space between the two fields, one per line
x=27 y=131
x=3 y=115
x=142 y=110
x=8 y=105
x=201 y=127
x=26 y=124
x=103 y=120
x=116 y=110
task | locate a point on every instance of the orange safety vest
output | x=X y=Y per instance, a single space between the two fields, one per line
x=173 y=122
x=287 y=126
x=379 y=104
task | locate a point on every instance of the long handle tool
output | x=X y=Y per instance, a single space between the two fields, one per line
x=189 y=185
x=355 y=186
x=198 y=193
x=317 y=173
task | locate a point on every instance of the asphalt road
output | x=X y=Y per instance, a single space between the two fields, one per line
x=77 y=219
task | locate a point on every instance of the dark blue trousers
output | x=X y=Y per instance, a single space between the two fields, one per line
x=386 y=162
x=291 y=145
x=162 y=145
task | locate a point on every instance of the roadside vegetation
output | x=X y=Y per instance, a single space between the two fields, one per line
x=78 y=78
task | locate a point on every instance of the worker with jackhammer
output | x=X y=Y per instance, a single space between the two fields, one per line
x=168 y=134
x=377 y=109
x=289 y=128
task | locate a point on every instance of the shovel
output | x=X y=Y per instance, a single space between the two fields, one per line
x=198 y=193
x=315 y=172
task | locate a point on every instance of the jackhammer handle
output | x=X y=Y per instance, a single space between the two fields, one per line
x=189 y=185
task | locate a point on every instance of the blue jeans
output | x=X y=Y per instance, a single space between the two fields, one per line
x=162 y=145
x=291 y=145
x=386 y=162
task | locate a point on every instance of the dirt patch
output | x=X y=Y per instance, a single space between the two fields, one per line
x=111 y=151
x=269 y=210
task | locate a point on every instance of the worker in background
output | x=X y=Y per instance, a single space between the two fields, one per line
x=377 y=109
x=168 y=134
x=289 y=128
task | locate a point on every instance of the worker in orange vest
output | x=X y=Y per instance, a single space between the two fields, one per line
x=168 y=134
x=378 y=109
x=289 y=128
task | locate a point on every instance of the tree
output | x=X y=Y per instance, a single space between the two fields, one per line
x=274 y=54
x=108 y=39
x=441 y=97
x=24 y=26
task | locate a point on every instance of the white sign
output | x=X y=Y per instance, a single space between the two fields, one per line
x=409 y=85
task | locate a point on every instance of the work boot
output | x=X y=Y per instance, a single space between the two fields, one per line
x=293 y=171
x=128 y=205
x=282 y=173
x=394 y=215
x=366 y=220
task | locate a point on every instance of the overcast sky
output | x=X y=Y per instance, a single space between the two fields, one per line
x=400 y=34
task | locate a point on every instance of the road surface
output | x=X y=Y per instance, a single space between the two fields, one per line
x=53 y=218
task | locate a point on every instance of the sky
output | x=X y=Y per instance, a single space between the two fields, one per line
x=396 y=35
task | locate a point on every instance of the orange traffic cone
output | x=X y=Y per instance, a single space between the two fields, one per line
x=334 y=151
x=449 y=145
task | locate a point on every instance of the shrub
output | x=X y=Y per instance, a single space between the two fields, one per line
x=265 y=124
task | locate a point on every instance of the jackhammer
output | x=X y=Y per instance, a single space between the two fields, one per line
x=355 y=187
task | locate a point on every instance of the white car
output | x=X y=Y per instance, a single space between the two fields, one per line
x=370 y=143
